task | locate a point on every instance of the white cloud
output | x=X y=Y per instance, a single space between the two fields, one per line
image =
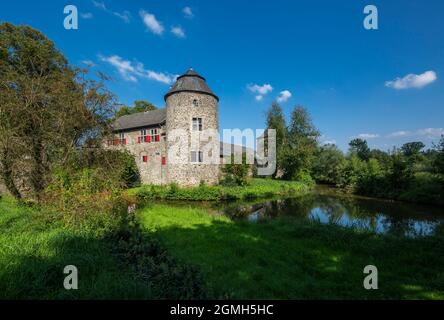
x=368 y=135
x=284 y=96
x=100 y=5
x=125 y=15
x=412 y=81
x=431 y=132
x=263 y=89
x=188 y=13
x=124 y=67
x=178 y=32
x=151 y=22
x=398 y=134
x=153 y=75
x=131 y=72
x=86 y=15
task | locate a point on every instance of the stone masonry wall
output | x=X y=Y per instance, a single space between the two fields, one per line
x=152 y=171
x=180 y=111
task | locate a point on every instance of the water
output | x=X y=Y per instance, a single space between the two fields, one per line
x=327 y=205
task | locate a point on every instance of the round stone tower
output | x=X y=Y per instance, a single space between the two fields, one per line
x=192 y=124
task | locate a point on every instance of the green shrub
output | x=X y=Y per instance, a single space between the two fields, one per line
x=235 y=174
x=169 y=278
x=258 y=188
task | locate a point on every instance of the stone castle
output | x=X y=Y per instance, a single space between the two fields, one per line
x=191 y=109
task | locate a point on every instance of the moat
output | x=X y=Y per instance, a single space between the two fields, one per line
x=327 y=205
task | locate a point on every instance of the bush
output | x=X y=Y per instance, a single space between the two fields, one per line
x=236 y=174
x=327 y=163
x=169 y=278
x=258 y=188
x=425 y=188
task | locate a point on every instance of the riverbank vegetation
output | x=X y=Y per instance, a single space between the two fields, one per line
x=256 y=188
x=408 y=173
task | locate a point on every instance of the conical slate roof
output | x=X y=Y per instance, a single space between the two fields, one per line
x=191 y=81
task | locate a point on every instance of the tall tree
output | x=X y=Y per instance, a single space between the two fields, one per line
x=360 y=148
x=412 y=148
x=302 y=144
x=139 y=106
x=327 y=164
x=47 y=108
x=438 y=163
x=276 y=121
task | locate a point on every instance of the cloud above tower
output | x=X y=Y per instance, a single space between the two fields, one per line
x=260 y=90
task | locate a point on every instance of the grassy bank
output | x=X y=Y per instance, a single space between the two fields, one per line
x=114 y=259
x=258 y=188
x=284 y=258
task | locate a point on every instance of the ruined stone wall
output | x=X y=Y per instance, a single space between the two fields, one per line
x=180 y=112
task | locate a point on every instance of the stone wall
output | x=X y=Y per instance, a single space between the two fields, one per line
x=180 y=112
x=152 y=171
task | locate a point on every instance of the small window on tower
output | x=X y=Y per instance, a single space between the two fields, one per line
x=197 y=124
x=195 y=103
x=196 y=157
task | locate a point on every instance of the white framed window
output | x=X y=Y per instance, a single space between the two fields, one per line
x=197 y=124
x=153 y=133
x=196 y=157
x=122 y=139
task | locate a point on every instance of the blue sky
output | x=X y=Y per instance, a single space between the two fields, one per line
x=318 y=51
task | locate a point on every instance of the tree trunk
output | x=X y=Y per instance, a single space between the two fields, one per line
x=7 y=176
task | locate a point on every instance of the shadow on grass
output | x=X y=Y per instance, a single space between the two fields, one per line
x=38 y=273
x=287 y=259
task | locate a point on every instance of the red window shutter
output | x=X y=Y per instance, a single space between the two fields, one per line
x=148 y=139
x=163 y=160
x=138 y=139
x=124 y=141
x=157 y=137
x=145 y=158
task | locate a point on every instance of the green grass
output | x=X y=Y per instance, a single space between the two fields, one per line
x=280 y=258
x=34 y=249
x=285 y=258
x=258 y=188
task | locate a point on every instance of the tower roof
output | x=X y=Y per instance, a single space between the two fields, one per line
x=191 y=81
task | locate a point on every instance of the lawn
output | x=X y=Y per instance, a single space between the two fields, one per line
x=257 y=188
x=289 y=259
x=186 y=252
x=34 y=249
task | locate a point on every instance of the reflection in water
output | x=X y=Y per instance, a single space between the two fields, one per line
x=327 y=206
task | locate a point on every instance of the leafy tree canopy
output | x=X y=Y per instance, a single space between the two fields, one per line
x=139 y=106
x=412 y=148
x=47 y=109
x=360 y=148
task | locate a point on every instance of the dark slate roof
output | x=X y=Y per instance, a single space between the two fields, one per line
x=190 y=82
x=141 y=119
